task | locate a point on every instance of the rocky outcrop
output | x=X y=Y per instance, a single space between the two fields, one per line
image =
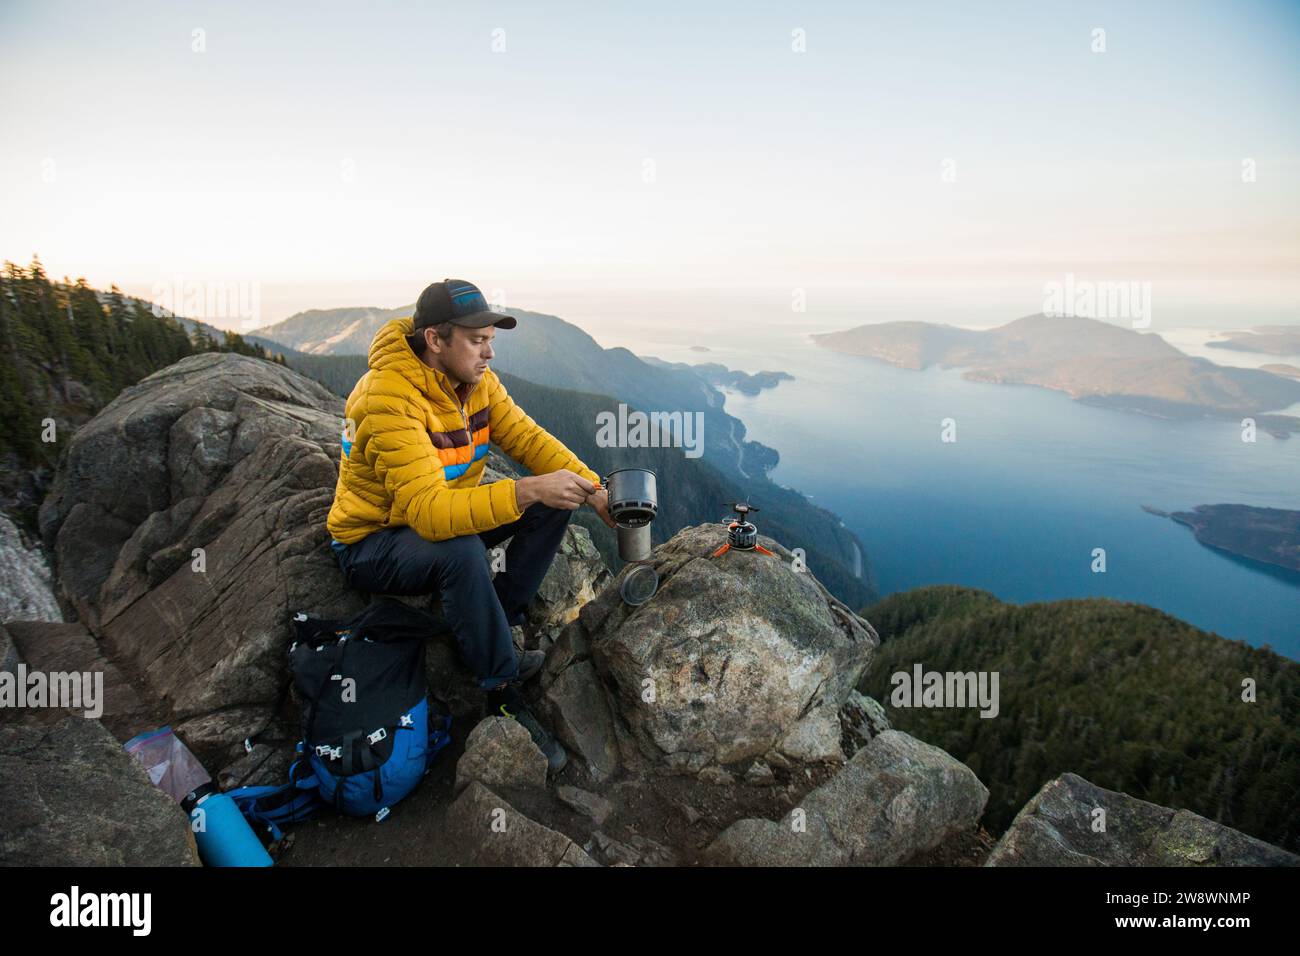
x=581 y=715
x=26 y=590
x=500 y=754
x=1071 y=822
x=735 y=658
x=9 y=657
x=188 y=524
x=637 y=851
x=896 y=798
x=70 y=649
x=576 y=576
x=861 y=720
x=488 y=831
x=589 y=804
x=70 y=796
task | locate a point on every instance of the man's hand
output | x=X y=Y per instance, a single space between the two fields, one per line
x=599 y=501
x=558 y=489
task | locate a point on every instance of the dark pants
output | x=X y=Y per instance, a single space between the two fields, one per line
x=479 y=610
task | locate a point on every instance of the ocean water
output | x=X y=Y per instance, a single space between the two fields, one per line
x=1032 y=485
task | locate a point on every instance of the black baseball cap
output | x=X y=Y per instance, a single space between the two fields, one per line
x=458 y=302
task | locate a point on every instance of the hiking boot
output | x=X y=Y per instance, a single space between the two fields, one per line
x=530 y=662
x=505 y=701
x=556 y=755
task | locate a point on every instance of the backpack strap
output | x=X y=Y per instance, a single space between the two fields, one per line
x=336 y=664
x=274 y=807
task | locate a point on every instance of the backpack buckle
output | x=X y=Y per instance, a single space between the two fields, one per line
x=407 y=720
x=377 y=736
x=333 y=753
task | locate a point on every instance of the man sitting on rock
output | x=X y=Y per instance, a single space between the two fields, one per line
x=409 y=515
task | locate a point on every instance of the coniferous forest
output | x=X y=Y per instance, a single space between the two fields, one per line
x=66 y=350
x=1121 y=694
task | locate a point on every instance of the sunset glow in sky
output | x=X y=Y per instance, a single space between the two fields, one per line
x=638 y=146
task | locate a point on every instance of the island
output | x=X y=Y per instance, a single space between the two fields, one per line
x=743 y=382
x=1278 y=368
x=1095 y=362
x=720 y=376
x=1268 y=535
x=1266 y=339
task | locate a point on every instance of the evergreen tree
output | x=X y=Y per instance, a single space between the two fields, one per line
x=68 y=350
x=1121 y=694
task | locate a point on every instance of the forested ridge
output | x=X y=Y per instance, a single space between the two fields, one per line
x=1122 y=694
x=66 y=350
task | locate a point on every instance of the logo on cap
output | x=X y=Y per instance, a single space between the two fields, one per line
x=466 y=299
x=458 y=301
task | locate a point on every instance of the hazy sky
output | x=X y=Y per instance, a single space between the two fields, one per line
x=377 y=146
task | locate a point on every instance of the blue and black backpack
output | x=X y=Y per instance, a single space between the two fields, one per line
x=370 y=729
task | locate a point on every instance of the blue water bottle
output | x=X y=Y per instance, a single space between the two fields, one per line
x=223 y=835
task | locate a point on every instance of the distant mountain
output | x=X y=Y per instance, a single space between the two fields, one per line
x=1268 y=339
x=1091 y=361
x=1132 y=698
x=332 y=331
x=550 y=351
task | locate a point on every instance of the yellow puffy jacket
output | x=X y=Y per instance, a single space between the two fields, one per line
x=413 y=453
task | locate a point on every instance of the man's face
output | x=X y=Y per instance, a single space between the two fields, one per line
x=465 y=358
